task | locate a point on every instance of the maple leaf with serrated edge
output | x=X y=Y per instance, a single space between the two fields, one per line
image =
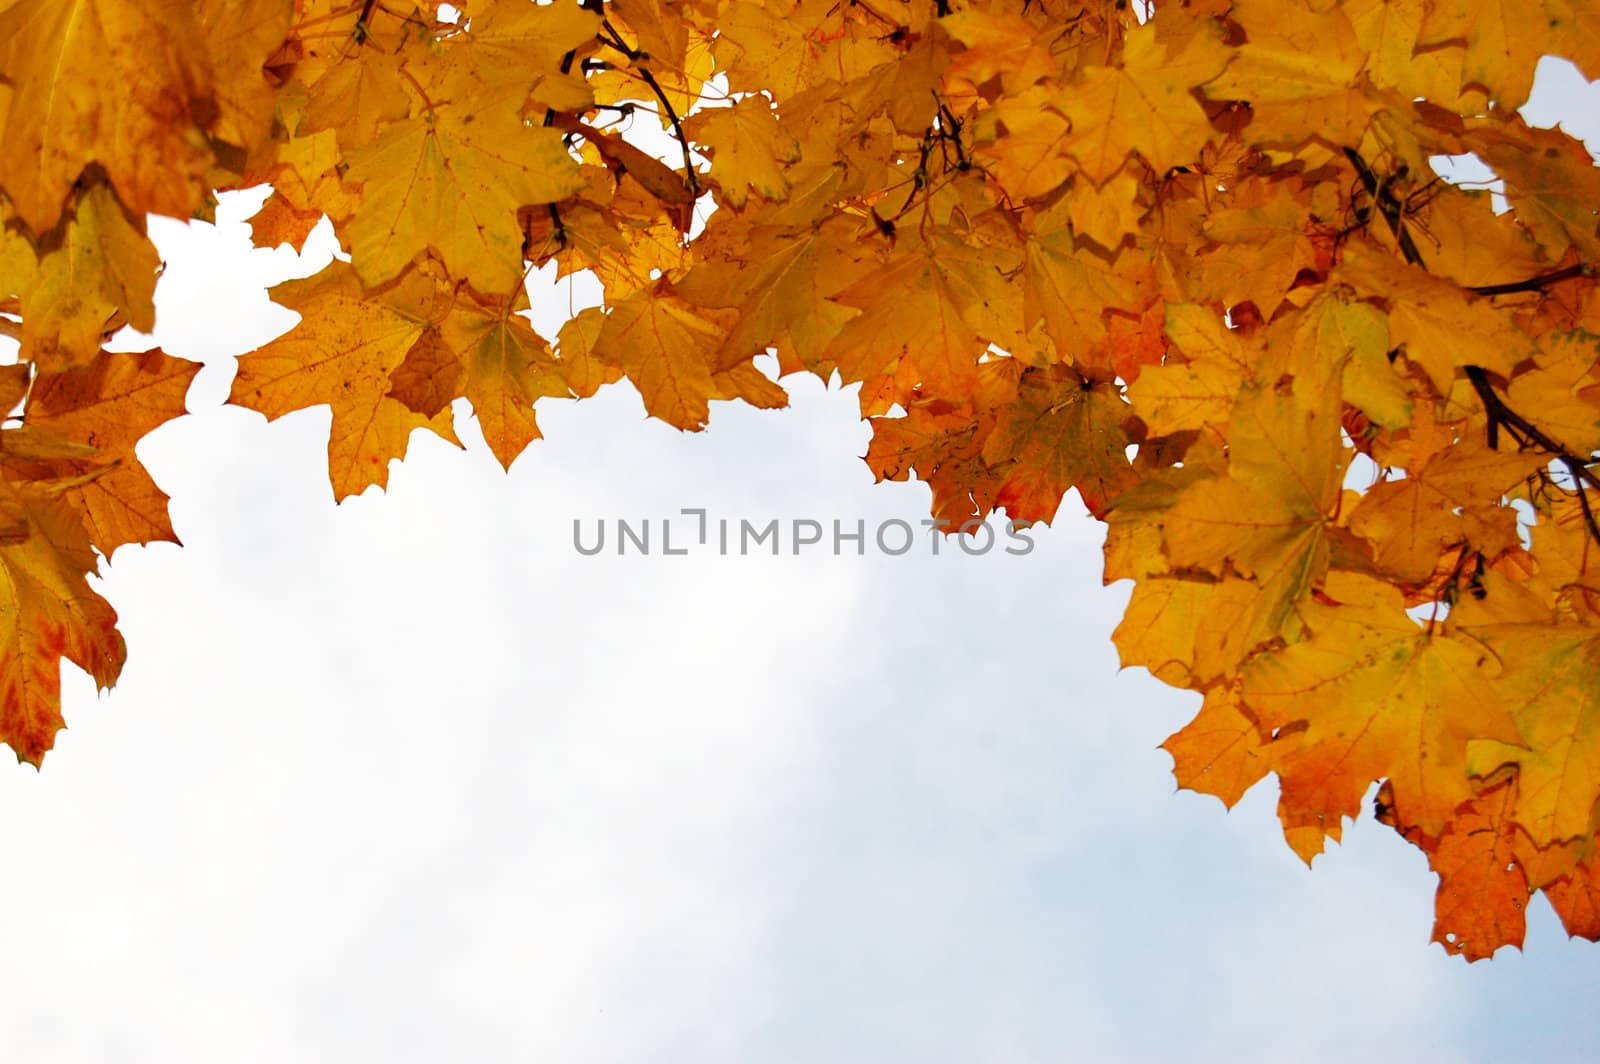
x=1381 y=697
x=1063 y=431
x=100 y=275
x=109 y=405
x=450 y=180
x=1548 y=678
x=47 y=612
x=1220 y=752
x=57 y=55
x=1483 y=897
x=344 y=358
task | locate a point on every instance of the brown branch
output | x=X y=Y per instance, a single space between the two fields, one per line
x=361 y=32
x=1579 y=474
x=1388 y=205
x=950 y=130
x=560 y=229
x=1532 y=284
x=1499 y=413
x=615 y=40
x=1530 y=434
x=677 y=128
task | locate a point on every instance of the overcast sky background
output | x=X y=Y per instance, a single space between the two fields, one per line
x=409 y=778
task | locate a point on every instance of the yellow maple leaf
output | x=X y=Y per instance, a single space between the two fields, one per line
x=109 y=405
x=1071 y=287
x=507 y=367
x=1109 y=212
x=450 y=180
x=1442 y=326
x=668 y=349
x=1381 y=697
x=1564 y=387
x=748 y=149
x=1199 y=390
x=56 y=57
x=1142 y=105
x=1191 y=631
x=1299 y=68
x=1263 y=242
x=1451 y=498
x=1548 y=678
x=1267 y=519
x=1220 y=752
x=343 y=355
x=102 y=273
x=47 y=612
x=1551 y=181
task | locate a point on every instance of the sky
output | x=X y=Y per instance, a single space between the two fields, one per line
x=411 y=778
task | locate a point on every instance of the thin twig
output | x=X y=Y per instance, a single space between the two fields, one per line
x=361 y=32
x=1532 y=284
x=559 y=229
x=1529 y=433
x=616 y=42
x=1498 y=412
x=1390 y=207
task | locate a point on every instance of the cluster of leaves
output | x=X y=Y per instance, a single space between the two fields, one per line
x=1185 y=259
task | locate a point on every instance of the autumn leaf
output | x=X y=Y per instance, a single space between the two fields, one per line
x=1062 y=432
x=1447 y=500
x=748 y=149
x=1299 y=68
x=1548 y=678
x=344 y=359
x=1381 y=697
x=47 y=612
x=1197 y=385
x=1275 y=536
x=1483 y=895
x=668 y=349
x=507 y=367
x=450 y=180
x=103 y=269
x=108 y=406
x=1576 y=900
x=56 y=58
x=1221 y=751
x=1142 y=105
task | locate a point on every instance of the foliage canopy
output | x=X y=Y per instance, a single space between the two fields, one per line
x=1188 y=259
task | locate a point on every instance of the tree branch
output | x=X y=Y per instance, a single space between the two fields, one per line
x=1529 y=433
x=1499 y=413
x=1532 y=284
x=560 y=229
x=615 y=40
x=361 y=21
x=1388 y=205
